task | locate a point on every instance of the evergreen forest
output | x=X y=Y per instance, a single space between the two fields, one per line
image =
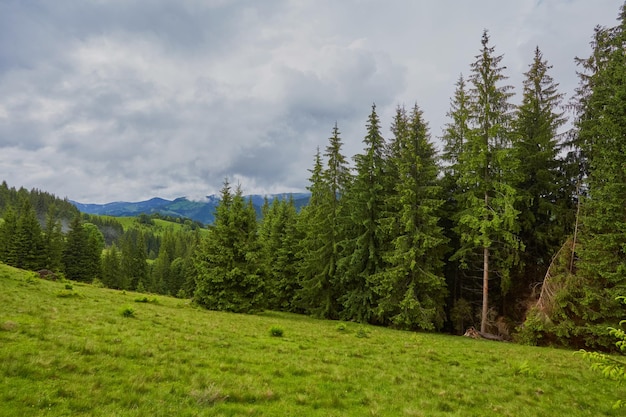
x=516 y=226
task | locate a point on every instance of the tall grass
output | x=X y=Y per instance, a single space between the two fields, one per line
x=77 y=355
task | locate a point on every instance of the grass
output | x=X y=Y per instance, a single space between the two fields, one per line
x=78 y=355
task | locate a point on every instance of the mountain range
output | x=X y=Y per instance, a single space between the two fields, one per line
x=201 y=211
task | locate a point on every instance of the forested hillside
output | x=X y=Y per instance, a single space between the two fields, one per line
x=406 y=236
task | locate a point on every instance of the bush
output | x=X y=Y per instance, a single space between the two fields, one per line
x=362 y=333
x=152 y=300
x=127 y=312
x=341 y=327
x=276 y=331
x=69 y=286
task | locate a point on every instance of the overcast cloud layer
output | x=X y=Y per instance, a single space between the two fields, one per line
x=130 y=99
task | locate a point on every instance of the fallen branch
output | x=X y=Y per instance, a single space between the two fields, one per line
x=475 y=334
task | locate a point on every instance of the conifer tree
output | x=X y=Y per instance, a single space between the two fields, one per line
x=278 y=254
x=133 y=256
x=455 y=137
x=76 y=257
x=8 y=248
x=53 y=240
x=365 y=244
x=601 y=136
x=487 y=221
x=227 y=260
x=412 y=288
x=545 y=202
x=112 y=275
x=29 y=239
x=319 y=287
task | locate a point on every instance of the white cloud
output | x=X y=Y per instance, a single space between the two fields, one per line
x=127 y=100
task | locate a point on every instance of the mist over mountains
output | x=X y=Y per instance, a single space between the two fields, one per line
x=202 y=211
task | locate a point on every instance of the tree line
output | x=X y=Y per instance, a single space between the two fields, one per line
x=517 y=223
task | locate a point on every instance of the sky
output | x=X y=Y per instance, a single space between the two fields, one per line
x=124 y=100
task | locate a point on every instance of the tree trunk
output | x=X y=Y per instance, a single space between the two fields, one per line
x=483 y=321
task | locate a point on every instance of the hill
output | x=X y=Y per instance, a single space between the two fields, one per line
x=74 y=349
x=201 y=211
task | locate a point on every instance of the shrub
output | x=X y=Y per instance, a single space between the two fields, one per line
x=152 y=300
x=276 y=331
x=69 y=286
x=127 y=312
x=362 y=333
x=341 y=327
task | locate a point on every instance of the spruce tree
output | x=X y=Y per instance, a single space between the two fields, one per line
x=53 y=240
x=278 y=254
x=545 y=199
x=29 y=239
x=364 y=243
x=455 y=137
x=8 y=247
x=112 y=275
x=76 y=257
x=601 y=136
x=412 y=287
x=227 y=260
x=319 y=286
x=487 y=220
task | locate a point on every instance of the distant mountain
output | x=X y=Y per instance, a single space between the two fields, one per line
x=202 y=211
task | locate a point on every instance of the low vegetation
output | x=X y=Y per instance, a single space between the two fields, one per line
x=81 y=355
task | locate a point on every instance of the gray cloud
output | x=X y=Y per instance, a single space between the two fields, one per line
x=126 y=100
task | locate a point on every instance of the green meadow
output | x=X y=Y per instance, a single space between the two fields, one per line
x=71 y=349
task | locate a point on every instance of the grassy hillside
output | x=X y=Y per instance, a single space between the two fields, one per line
x=73 y=349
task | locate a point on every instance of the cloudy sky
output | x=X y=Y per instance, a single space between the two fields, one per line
x=109 y=100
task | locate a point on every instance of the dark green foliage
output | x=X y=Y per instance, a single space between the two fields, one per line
x=486 y=222
x=133 y=261
x=79 y=261
x=412 y=288
x=545 y=194
x=276 y=331
x=110 y=228
x=587 y=299
x=128 y=312
x=322 y=224
x=227 y=259
x=277 y=242
x=112 y=275
x=21 y=238
x=39 y=200
x=455 y=137
x=319 y=282
x=53 y=240
x=364 y=242
x=28 y=239
x=8 y=228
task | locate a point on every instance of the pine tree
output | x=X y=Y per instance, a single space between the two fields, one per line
x=365 y=244
x=8 y=248
x=112 y=275
x=319 y=287
x=487 y=222
x=227 y=260
x=76 y=261
x=455 y=137
x=278 y=254
x=29 y=244
x=601 y=136
x=134 y=261
x=412 y=288
x=545 y=203
x=53 y=240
